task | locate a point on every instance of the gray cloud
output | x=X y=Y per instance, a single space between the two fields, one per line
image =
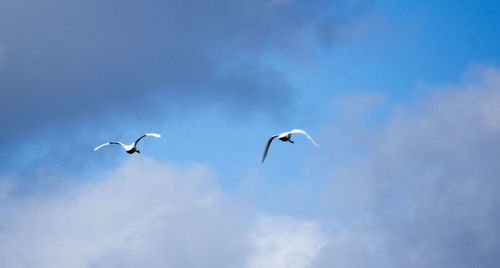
x=425 y=190
x=62 y=62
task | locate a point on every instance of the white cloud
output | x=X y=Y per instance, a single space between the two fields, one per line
x=283 y=242
x=146 y=214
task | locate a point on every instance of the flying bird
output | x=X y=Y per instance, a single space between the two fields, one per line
x=286 y=136
x=129 y=148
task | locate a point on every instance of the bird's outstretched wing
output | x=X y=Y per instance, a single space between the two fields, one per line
x=267 y=147
x=305 y=133
x=147 y=134
x=108 y=143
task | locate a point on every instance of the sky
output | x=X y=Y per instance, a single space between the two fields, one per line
x=403 y=98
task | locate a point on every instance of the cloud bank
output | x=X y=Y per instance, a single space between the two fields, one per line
x=64 y=62
x=422 y=191
x=147 y=214
x=425 y=194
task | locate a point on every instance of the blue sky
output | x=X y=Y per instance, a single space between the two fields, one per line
x=402 y=98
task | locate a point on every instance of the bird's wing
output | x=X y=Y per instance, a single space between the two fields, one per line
x=305 y=133
x=108 y=143
x=267 y=147
x=147 y=134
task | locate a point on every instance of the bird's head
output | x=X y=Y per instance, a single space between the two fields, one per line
x=138 y=151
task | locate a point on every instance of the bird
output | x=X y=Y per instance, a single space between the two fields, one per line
x=286 y=136
x=129 y=148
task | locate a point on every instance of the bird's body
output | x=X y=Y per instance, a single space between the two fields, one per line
x=132 y=148
x=286 y=136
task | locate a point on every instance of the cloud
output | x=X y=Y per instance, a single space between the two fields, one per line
x=69 y=62
x=284 y=242
x=423 y=192
x=146 y=214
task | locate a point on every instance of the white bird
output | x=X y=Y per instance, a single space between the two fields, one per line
x=286 y=136
x=129 y=148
